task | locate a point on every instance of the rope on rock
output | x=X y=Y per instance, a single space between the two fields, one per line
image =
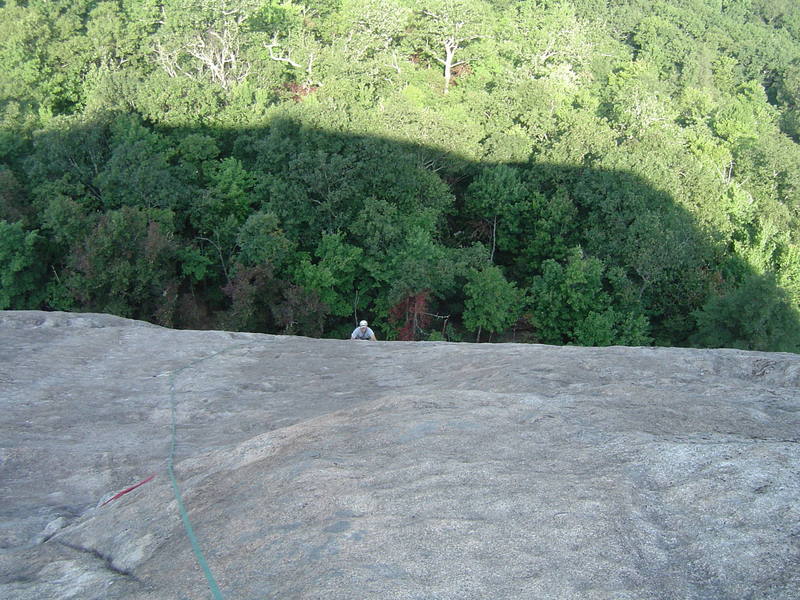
x=126 y=490
x=187 y=524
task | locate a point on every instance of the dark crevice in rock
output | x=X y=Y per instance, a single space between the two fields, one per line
x=108 y=562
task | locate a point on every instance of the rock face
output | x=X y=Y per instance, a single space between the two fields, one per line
x=352 y=470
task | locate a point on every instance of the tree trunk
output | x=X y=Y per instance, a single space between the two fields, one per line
x=494 y=238
x=450 y=47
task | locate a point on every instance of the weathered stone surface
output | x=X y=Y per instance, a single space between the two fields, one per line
x=343 y=470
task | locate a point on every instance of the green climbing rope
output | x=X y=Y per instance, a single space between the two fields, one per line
x=187 y=524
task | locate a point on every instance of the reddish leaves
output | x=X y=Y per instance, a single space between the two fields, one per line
x=412 y=312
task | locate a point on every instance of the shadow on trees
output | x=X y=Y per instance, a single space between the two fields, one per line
x=293 y=229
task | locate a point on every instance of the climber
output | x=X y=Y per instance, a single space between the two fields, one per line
x=363 y=332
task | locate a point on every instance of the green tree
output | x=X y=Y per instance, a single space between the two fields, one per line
x=22 y=271
x=126 y=267
x=582 y=302
x=495 y=197
x=372 y=28
x=748 y=115
x=492 y=302
x=43 y=53
x=65 y=160
x=118 y=32
x=539 y=36
x=261 y=240
x=205 y=40
x=756 y=315
x=446 y=27
x=333 y=276
x=137 y=171
x=14 y=203
x=789 y=273
x=553 y=228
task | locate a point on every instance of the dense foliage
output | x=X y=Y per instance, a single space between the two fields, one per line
x=559 y=171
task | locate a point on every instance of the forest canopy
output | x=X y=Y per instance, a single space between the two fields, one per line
x=557 y=171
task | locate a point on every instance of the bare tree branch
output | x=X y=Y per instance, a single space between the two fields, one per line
x=286 y=59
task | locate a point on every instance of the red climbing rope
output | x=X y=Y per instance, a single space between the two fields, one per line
x=126 y=490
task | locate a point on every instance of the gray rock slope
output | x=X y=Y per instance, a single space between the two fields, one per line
x=352 y=470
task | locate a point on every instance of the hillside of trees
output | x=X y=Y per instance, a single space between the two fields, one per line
x=589 y=172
